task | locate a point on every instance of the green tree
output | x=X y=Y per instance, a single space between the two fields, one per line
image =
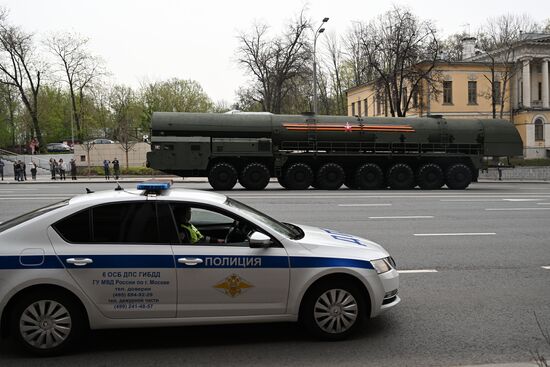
x=173 y=95
x=126 y=111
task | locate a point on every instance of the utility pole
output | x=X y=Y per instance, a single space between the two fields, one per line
x=317 y=33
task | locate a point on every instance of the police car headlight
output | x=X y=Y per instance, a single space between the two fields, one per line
x=381 y=265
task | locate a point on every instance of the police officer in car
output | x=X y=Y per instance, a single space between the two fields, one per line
x=190 y=233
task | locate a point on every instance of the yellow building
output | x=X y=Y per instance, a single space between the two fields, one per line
x=464 y=91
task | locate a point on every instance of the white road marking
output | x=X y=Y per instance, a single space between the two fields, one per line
x=546 y=267
x=511 y=209
x=456 y=234
x=417 y=271
x=543 y=203
x=521 y=200
x=17 y=189
x=364 y=204
x=470 y=200
x=405 y=217
x=305 y=195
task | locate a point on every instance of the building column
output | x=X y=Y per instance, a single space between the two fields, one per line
x=545 y=86
x=526 y=83
x=515 y=90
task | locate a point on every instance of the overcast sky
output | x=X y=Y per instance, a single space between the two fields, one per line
x=153 y=40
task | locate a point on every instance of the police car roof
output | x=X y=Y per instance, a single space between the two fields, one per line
x=170 y=194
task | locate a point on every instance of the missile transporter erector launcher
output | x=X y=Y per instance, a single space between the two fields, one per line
x=327 y=151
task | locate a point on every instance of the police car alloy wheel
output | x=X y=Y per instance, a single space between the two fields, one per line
x=46 y=323
x=333 y=310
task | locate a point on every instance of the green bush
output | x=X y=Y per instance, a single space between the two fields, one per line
x=131 y=171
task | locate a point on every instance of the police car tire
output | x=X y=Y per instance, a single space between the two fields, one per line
x=430 y=177
x=458 y=176
x=54 y=303
x=401 y=177
x=369 y=177
x=255 y=176
x=331 y=176
x=312 y=319
x=299 y=176
x=223 y=176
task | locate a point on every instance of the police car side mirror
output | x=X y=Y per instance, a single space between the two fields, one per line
x=259 y=240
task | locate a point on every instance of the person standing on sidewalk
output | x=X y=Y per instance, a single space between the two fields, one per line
x=116 y=168
x=106 y=168
x=52 y=168
x=2 y=169
x=499 y=168
x=62 y=170
x=33 y=170
x=24 y=170
x=73 y=169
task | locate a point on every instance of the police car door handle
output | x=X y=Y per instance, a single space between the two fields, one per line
x=79 y=261
x=186 y=261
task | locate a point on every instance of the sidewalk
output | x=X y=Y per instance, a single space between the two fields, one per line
x=46 y=179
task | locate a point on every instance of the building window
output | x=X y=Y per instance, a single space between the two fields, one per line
x=472 y=92
x=358 y=108
x=539 y=130
x=496 y=92
x=366 y=106
x=447 y=92
x=353 y=108
x=540 y=91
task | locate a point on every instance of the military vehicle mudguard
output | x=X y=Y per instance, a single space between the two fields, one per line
x=327 y=151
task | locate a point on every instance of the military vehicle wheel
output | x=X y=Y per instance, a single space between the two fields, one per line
x=330 y=176
x=430 y=177
x=458 y=176
x=401 y=177
x=223 y=176
x=255 y=176
x=299 y=176
x=369 y=177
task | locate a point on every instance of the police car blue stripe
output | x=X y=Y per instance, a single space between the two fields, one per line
x=30 y=262
x=168 y=261
x=328 y=262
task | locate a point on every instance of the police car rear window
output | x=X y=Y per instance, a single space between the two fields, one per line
x=30 y=215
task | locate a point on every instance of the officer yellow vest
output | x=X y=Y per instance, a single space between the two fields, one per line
x=193 y=232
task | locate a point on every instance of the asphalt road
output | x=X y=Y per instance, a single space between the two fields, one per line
x=485 y=250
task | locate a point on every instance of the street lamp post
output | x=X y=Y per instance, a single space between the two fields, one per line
x=317 y=33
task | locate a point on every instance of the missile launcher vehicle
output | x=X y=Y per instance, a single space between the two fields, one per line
x=326 y=152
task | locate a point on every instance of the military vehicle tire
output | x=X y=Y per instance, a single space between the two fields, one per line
x=255 y=176
x=330 y=176
x=401 y=177
x=369 y=177
x=458 y=176
x=299 y=176
x=223 y=176
x=430 y=177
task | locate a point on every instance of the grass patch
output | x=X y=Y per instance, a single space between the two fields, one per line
x=131 y=171
x=530 y=162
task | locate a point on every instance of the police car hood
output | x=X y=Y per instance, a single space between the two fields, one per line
x=330 y=242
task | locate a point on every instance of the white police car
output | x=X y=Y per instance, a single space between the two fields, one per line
x=120 y=259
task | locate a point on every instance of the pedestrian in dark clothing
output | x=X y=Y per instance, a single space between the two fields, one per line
x=17 y=171
x=73 y=169
x=499 y=169
x=2 y=169
x=52 y=168
x=24 y=170
x=116 y=168
x=33 y=170
x=106 y=168
x=62 y=170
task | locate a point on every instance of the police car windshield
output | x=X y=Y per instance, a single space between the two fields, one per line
x=30 y=215
x=286 y=230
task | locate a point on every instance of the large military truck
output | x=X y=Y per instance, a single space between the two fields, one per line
x=327 y=151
